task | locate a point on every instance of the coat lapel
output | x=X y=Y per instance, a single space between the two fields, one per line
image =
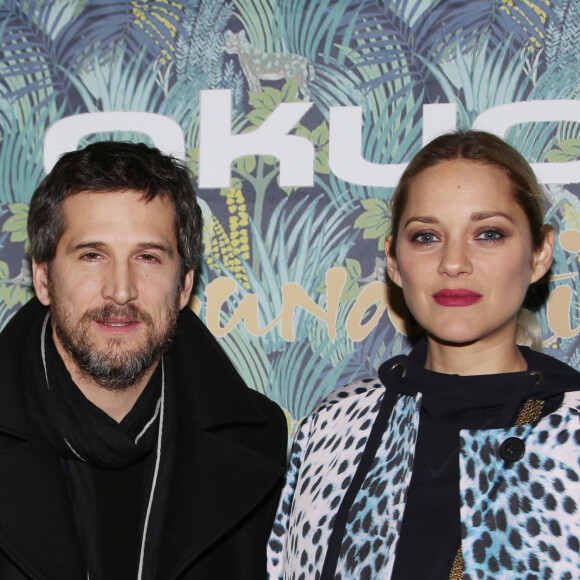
x=215 y=485
x=219 y=476
x=37 y=531
x=37 y=528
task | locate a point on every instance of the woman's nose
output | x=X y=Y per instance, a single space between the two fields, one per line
x=455 y=259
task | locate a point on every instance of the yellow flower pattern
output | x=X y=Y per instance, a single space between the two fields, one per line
x=230 y=248
x=513 y=8
x=570 y=216
x=152 y=17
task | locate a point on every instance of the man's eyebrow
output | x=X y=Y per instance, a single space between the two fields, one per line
x=159 y=246
x=86 y=246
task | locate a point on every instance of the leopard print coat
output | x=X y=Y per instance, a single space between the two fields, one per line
x=519 y=519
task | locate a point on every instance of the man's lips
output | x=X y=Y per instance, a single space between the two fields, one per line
x=117 y=322
x=456 y=297
x=114 y=319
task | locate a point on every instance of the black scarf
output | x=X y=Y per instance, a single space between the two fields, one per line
x=85 y=436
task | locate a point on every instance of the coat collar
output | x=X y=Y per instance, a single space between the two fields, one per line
x=215 y=395
x=217 y=480
x=14 y=418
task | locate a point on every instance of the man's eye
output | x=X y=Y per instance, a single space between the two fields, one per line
x=148 y=258
x=91 y=256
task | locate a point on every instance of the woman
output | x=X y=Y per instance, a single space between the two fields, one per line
x=460 y=460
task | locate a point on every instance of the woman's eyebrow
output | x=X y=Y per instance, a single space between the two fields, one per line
x=422 y=219
x=479 y=216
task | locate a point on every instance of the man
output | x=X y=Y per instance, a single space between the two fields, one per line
x=129 y=445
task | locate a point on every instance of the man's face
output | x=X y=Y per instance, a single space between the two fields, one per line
x=114 y=285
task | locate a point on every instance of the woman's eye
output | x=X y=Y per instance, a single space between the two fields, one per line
x=425 y=238
x=489 y=236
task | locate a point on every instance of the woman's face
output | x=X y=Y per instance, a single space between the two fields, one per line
x=464 y=255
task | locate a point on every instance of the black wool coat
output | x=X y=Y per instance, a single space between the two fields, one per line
x=229 y=463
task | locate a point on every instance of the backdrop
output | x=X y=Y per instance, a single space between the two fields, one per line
x=296 y=118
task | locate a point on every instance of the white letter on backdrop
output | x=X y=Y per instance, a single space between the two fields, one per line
x=218 y=147
x=66 y=133
x=345 y=144
x=499 y=119
x=345 y=151
x=438 y=119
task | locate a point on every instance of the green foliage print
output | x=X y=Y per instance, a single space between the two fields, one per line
x=391 y=59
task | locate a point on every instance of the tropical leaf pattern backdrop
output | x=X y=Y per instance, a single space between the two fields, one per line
x=293 y=272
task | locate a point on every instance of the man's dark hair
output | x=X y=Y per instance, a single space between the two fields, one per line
x=110 y=166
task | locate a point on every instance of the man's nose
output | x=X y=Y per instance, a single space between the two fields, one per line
x=455 y=259
x=120 y=284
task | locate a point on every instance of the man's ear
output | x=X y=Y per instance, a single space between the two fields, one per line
x=185 y=293
x=40 y=281
x=543 y=257
x=392 y=265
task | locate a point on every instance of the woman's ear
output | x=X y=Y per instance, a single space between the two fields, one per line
x=392 y=265
x=543 y=257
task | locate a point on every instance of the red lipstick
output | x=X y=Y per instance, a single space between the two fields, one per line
x=456 y=297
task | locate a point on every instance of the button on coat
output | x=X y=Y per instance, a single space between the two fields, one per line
x=512 y=449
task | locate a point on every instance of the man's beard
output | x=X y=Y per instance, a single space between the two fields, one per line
x=114 y=366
